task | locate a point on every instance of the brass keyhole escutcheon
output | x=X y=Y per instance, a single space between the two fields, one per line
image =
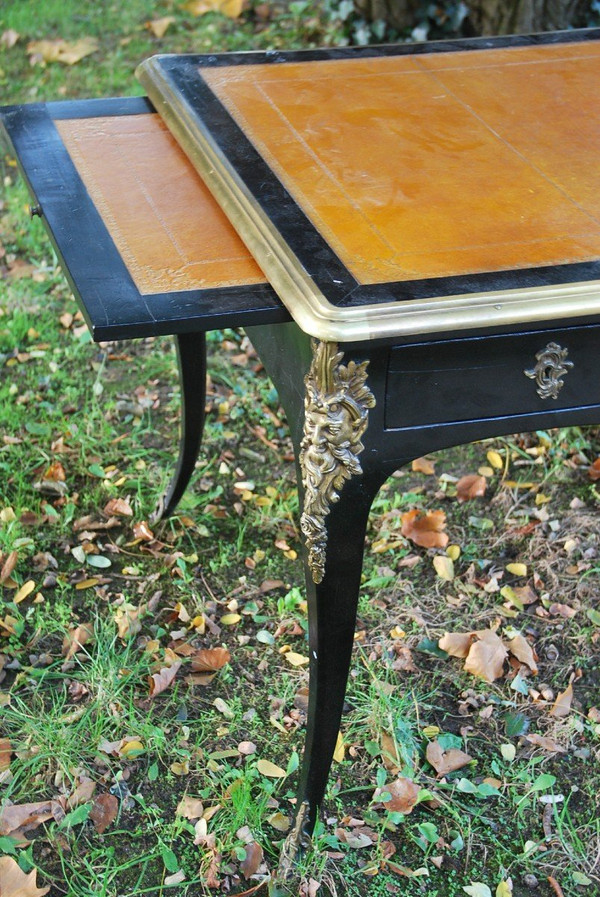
x=551 y=367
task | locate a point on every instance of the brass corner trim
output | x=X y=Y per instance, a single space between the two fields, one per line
x=337 y=402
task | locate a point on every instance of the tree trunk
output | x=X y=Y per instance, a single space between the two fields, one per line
x=398 y=14
x=522 y=16
x=485 y=16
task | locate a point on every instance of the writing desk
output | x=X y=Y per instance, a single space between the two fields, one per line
x=432 y=230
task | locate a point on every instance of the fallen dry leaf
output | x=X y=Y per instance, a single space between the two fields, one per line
x=522 y=650
x=562 y=610
x=104 y=811
x=76 y=638
x=159 y=27
x=486 y=656
x=142 y=531
x=562 y=705
x=253 y=859
x=9 y=38
x=445 y=761
x=444 y=567
x=209 y=660
x=266 y=768
x=230 y=8
x=82 y=794
x=160 y=681
x=389 y=754
x=458 y=644
x=16 y=883
x=425 y=528
x=405 y=794
x=594 y=470
x=8 y=566
x=424 y=465
x=5 y=753
x=118 y=507
x=24 y=817
x=545 y=743
x=471 y=486
x=61 y=51
x=190 y=807
x=128 y=619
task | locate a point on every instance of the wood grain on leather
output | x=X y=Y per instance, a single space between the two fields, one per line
x=170 y=232
x=437 y=164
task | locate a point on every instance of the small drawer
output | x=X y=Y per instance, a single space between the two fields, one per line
x=484 y=377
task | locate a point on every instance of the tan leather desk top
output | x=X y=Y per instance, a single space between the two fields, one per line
x=434 y=165
x=169 y=230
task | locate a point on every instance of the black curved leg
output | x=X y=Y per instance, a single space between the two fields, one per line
x=332 y=605
x=191 y=356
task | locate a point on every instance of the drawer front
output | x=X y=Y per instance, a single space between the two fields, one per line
x=484 y=377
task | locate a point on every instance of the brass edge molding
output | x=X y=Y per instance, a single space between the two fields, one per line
x=551 y=367
x=309 y=307
x=336 y=403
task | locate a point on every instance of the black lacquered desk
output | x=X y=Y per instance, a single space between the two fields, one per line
x=430 y=219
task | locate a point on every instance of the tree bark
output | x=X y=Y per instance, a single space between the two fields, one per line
x=488 y=17
x=485 y=17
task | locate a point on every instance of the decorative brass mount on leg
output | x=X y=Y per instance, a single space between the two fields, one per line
x=336 y=404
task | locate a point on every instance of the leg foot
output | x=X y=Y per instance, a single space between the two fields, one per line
x=295 y=844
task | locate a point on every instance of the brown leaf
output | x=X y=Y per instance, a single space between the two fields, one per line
x=142 y=531
x=562 y=705
x=190 y=807
x=61 y=51
x=159 y=27
x=425 y=528
x=209 y=660
x=594 y=470
x=424 y=465
x=5 y=753
x=471 y=486
x=16 y=883
x=522 y=650
x=458 y=644
x=55 y=472
x=404 y=793
x=230 y=8
x=486 y=656
x=76 y=638
x=545 y=743
x=104 y=811
x=445 y=761
x=128 y=619
x=82 y=794
x=389 y=753
x=25 y=816
x=269 y=584
x=118 y=507
x=9 y=38
x=160 y=681
x=404 y=662
x=562 y=610
x=8 y=566
x=253 y=859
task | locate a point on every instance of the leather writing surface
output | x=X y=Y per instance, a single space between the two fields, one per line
x=169 y=230
x=434 y=165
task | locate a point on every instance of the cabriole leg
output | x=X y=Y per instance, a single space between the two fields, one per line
x=191 y=356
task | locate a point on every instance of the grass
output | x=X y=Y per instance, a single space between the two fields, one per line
x=82 y=425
